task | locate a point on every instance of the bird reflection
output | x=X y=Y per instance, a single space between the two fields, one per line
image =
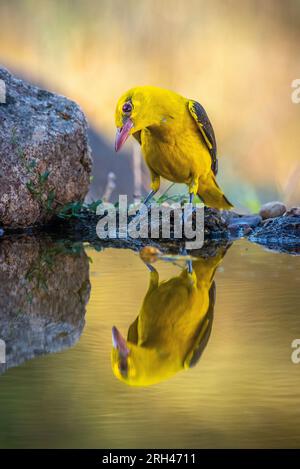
x=173 y=326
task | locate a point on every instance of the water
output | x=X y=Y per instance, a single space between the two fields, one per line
x=243 y=392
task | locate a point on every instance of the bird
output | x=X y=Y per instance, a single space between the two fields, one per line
x=177 y=141
x=172 y=328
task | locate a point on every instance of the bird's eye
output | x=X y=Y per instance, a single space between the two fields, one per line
x=127 y=108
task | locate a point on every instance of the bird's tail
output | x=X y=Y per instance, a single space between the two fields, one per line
x=212 y=195
x=205 y=268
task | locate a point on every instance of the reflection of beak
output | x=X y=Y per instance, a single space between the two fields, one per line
x=119 y=343
x=123 y=134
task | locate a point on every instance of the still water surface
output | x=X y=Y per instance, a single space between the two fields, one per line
x=244 y=391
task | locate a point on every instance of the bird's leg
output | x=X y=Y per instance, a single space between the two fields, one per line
x=193 y=188
x=154 y=278
x=189 y=262
x=149 y=197
x=187 y=212
x=155 y=184
x=150 y=267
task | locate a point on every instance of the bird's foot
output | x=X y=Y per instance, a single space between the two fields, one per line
x=150 y=267
x=187 y=215
x=188 y=262
x=149 y=197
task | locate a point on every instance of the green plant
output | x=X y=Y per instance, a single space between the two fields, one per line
x=38 y=187
x=71 y=210
x=38 y=273
x=93 y=205
x=78 y=209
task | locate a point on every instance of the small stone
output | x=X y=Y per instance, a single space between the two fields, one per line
x=247 y=230
x=294 y=211
x=246 y=220
x=150 y=254
x=272 y=210
x=238 y=231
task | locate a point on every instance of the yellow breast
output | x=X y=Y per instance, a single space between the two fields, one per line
x=175 y=150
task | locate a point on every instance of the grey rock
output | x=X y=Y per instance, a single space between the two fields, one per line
x=246 y=220
x=240 y=226
x=44 y=151
x=272 y=210
x=280 y=234
x=294 y=211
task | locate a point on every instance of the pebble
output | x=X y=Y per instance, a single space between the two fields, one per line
x=150 y=254
x=294 y=211
x=249 y=220
x=272 y=210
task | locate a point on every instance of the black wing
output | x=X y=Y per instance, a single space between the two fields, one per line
x=204 y=330
x=206 y=131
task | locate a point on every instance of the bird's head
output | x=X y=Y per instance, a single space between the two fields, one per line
x=141 y=107
x=137 y=365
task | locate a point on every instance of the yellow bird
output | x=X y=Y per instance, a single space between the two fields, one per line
x=172 y=328
x=177 y=141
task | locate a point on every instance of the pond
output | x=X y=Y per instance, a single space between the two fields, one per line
x=211 y=371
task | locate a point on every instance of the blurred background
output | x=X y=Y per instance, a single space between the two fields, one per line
x=237 y=58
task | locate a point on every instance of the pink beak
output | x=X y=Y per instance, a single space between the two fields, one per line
x=123 y=134
x=119 y=343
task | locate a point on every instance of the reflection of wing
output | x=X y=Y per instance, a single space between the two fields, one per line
x=132 y=335
x=203 y=334
x=206 y=131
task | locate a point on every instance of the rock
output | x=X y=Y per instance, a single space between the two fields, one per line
x=242 y=225
x=294 y=211
x=246 y=220
x=150 y=254
x=44 y=289
x=45 y=156
x=238 y=231
x=280 y=234
x=272 y=210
